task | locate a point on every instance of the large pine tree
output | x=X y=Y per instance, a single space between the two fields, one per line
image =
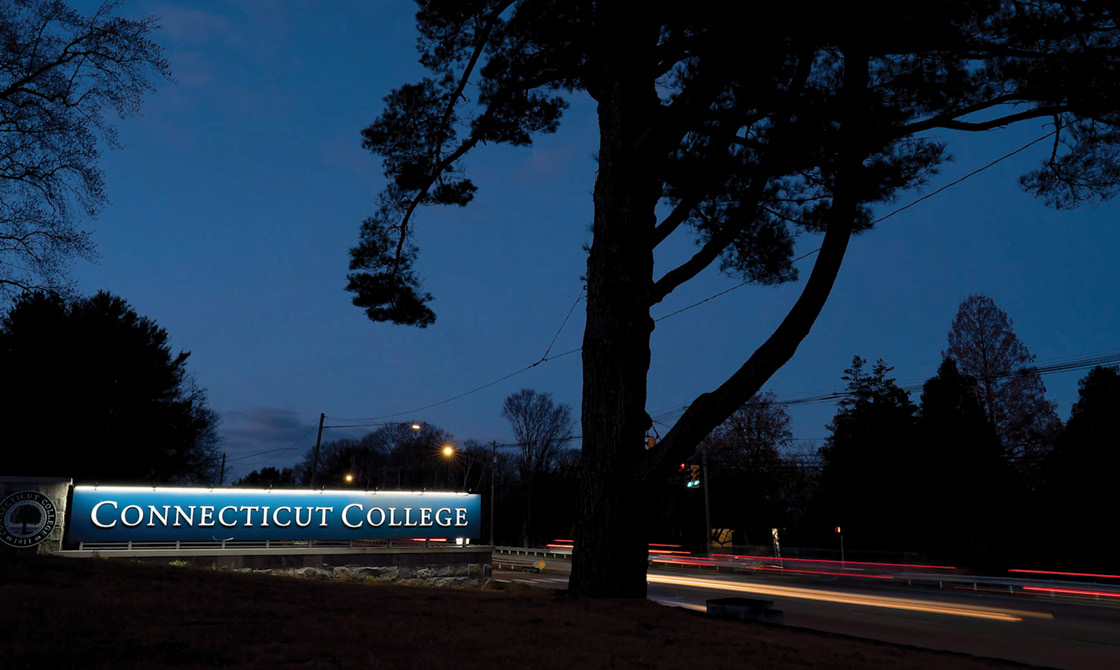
x=743 y=124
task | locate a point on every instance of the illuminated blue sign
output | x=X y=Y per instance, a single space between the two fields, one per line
x=139 y=514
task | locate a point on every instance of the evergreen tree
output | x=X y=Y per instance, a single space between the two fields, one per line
x=870 y=461
x=971 y=503
x=1081 y=475
x=92 y=391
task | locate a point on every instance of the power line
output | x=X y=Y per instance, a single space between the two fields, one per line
x=971 y=174
x=564 y=323
x=268 y=451
x=888 y=215
x=545 y=358
x=1064 y=364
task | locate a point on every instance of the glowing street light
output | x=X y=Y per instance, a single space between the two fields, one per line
x=415 y=426
x=349 y=477
x=449 y=452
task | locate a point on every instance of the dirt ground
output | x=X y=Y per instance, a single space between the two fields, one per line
x=93 y=613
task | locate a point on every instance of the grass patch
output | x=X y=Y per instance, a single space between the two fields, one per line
x=62 y=612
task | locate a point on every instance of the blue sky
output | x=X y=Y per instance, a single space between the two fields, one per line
x=236 y=196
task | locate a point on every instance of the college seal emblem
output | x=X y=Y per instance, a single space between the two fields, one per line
x=26 y=519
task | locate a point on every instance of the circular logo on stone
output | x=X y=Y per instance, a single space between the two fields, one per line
x=26 y=519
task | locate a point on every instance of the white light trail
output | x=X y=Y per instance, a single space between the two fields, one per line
x=889 y=602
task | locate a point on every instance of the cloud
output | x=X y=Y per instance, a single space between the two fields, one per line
x=191 y=26
x=265 y=436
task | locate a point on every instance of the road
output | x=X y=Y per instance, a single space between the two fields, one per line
x=1035 y=630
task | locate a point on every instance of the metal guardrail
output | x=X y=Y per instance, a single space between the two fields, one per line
x=534 y=551
x=233 y=545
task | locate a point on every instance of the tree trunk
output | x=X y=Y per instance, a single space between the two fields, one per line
x=610 y=557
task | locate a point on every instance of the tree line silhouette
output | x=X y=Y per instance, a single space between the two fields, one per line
x=533 y=479
x=980 y=472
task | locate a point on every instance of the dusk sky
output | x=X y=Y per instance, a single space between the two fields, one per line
x=237 y=194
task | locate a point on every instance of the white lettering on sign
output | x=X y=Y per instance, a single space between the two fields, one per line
x=153 y=515
x=369 y=517
x=443 y=522
x=180 y=514
x=276 y=516
x=249 y=514
x=139 y=516
x=222 y=516
x=93 y=514
x=346 y=521
x=106 y=514
x=304 y=524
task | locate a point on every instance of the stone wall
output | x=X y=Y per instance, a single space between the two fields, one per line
x=33 y=513
x=458 y=574
x=436 y=566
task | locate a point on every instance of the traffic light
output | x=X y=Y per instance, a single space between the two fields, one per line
x=694 y=477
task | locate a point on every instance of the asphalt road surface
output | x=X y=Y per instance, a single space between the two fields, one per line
x=1038 y=630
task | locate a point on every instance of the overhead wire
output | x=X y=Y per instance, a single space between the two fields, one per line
x=808 y=400
x=1064 y=364
x=545 y=358
x=278 y=451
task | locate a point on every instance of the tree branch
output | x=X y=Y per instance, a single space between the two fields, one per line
x=470 y=142
x=479 y=46
x=674 y=219
x=701 y=259
x=719 y=241
x=951 y=122
x=710 y=409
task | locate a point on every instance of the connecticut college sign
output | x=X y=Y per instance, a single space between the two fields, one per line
x=122 y=514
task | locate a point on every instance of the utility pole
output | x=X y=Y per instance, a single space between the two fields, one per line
x=315 y=458
x=707 y=504
x=493 y=474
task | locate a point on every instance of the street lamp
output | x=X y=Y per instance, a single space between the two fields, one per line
x=319 y=440
x=449 y=452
